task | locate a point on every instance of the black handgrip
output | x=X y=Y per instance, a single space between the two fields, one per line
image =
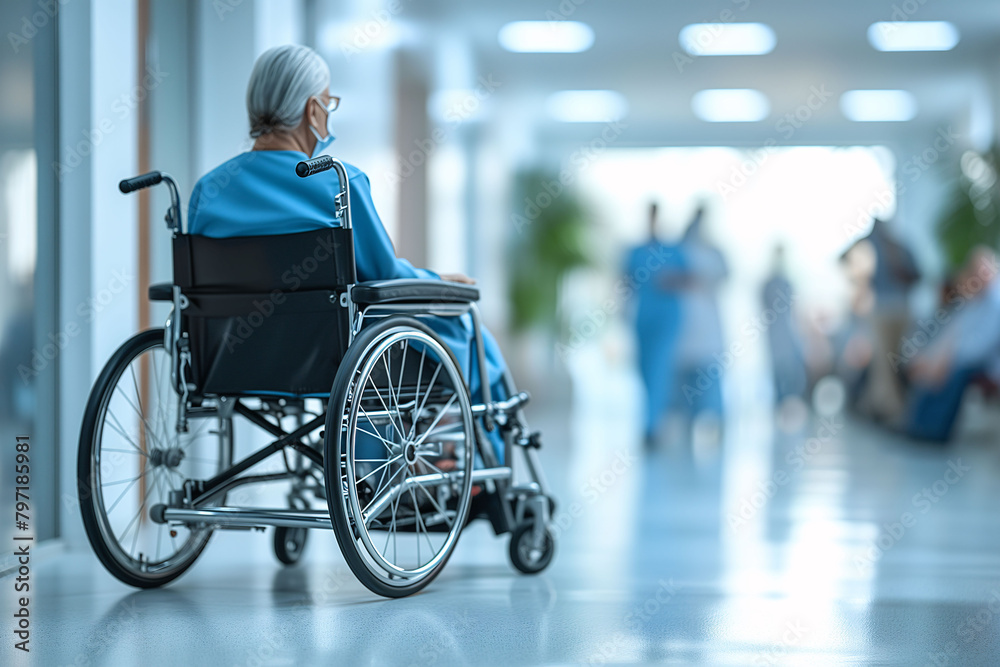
x=314 y=166
x=140 y=182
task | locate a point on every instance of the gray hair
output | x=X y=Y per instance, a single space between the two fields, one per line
x=282 y=81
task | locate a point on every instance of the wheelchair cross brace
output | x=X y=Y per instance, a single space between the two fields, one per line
x=197 y=492
x=185 y=506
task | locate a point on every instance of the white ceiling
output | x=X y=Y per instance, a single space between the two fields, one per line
x=821 y=44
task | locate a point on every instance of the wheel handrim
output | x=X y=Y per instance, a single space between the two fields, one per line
x=140 y=412
x=411 y=466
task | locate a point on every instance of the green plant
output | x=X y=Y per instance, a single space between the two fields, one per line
x=973 y=217
x=551 y=235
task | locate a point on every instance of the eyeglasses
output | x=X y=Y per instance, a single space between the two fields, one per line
x=332 y=105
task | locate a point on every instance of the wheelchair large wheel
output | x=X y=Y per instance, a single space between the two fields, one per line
x=400 y=445
x=131 y=457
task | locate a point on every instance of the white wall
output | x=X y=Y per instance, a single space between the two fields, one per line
x=98 y=298
x=223 y=54
x=356 y=40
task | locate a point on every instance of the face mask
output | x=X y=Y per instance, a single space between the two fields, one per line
x=322 y=143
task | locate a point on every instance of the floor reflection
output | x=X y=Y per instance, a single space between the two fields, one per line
x=775 y=547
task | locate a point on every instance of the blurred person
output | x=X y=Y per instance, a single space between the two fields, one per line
x=895 y=273
x=783 y=337
x=656 y=269
x=701 y=346
x=290 y=111
x=966 y=347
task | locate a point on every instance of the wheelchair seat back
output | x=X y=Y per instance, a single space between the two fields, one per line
x=264 y=313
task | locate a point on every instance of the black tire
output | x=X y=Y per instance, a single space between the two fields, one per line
x=90 y=476
x=343 y=526
x=519 y=549
x=290 y=543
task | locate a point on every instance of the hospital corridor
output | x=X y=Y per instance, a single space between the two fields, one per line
x=578 y=332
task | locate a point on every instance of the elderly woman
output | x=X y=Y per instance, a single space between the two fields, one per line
x=257 y=192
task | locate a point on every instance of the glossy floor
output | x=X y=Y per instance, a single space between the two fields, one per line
x=838 y=544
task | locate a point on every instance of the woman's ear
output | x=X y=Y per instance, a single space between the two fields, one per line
x=312 y=116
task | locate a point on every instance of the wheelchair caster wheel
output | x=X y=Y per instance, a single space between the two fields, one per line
x=289 y=543
x=527 y=557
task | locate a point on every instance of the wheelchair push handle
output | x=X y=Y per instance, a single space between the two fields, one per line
x=315 y=165
x=318 y=165
x=173 y=217
x=139 y=182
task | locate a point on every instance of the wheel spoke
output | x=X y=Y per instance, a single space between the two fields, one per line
x=384 y=441
x=125 y=481
x=137 y=411
x=116 y=426
x=402 y=369
x=151 y=433
x=134 y=520
x=115 y=504
x=427 y=462
x=416 y=392
x=388 y=461
x=124 y=451
x=435 y=503
x=392 y=396
x=421 y=524
x=160 y=416
x=416 y=509
x=419 y=441
x=385 y=483
x=392 y=528
x=380 y=400
x=420 y=410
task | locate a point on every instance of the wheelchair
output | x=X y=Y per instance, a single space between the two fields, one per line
x=365 y=404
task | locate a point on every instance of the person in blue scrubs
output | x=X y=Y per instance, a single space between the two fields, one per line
x=656 y=272
x=257 y=193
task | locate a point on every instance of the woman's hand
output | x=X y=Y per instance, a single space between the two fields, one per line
x=457 y=278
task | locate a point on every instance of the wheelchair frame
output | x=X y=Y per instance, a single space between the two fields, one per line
x=507 y=506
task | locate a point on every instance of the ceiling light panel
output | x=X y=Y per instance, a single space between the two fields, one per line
x=866 y=106
x=586 y=106
x=731 y=105
x=913 y=35
x=546 y=37
x=727 y=39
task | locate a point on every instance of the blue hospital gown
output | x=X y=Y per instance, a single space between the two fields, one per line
x=653 y=271
x=257 y=193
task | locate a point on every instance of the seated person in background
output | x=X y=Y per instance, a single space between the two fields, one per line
x=258 y=193
x=967 y=345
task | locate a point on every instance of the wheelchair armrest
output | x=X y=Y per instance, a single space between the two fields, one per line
x=413 y=291
x=161 y=292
